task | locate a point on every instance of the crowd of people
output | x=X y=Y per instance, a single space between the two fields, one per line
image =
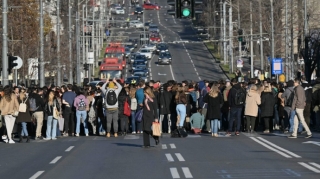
x=113 y=109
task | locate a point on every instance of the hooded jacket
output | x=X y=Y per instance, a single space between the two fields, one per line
x=252 y=101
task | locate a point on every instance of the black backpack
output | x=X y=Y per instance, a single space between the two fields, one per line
x=111 y=97
x=240 y=97
x=289 y=101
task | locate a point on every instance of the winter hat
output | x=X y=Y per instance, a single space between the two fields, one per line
x=111 y=85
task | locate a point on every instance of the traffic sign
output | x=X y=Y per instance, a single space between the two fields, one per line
x=239 y=63
x=19 y=63
x=277 y=66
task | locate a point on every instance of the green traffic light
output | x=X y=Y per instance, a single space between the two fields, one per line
x=186 y=12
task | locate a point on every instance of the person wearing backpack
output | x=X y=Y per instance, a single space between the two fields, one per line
x=112 y=106
x=36 y=110
x=81 y=103
x=288 y=98
x=236 y=99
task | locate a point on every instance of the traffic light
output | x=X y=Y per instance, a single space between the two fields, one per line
x=11 y=63
x=196 y=7
x=186 y=8
x=175 y=8
x=86 y=66
x=240 y=33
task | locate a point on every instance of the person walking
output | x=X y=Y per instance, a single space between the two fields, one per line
x=298 y=104
x=52 y=109
x=23 y=118
x=251 y=107
x=150 y=115
x=9 y=105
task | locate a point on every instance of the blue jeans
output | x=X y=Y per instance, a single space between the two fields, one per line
x=235 y=114
x=214 y=126
x=82 y=114
x=133 y=121
x=24 y=131
x=100 y=126
x=291 y=122
x=181 y=111
x=51 y=127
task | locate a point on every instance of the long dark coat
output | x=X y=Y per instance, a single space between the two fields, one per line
x=165 y=102
x=149 y=115
x=213 y=109
x=121 y=100
x=267 y=104
x=24 y=116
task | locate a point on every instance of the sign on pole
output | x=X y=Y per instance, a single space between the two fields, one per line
x=19 y=63
x=90 y=59
x=277 y=66
x=239 y=63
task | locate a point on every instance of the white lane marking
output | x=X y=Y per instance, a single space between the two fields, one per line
x=69 y=148
x=36 y=175
x=309 y=167
x=267 y=146
x=173 y=146
x=315 y=164
x=174 y=173
x=197 y=73
x=180 y=158
x=187 y=172
x=169 y=158
x=164 y=146
x=55 y=160
x=279 y=148
x=191 y=60
x=171 y=72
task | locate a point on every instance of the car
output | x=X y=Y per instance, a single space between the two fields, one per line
x=132 y=56
x=138 y=62
x=141 y=68
x=131 y=47
x=118 y=10
x=146 y=52
x=143 y=75
x=149 y=6
x=134 y=42
x=146 y=25
x=133 y=80
x=164 y=58
x=138 y=10
x=161 y=47
x=140 y=57
x=150 y=46
x=127 y=52
x=154 y=37
x=153 y=28
x=136 y=24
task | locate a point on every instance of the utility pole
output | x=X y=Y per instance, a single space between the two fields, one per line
x=41 y=64
x=84 y=28
x=224 y=34
x=286 y=41
x=70 y=46
x=58 y=44
x=306 y=30
x=261 y=41
x=78 y=71
x=231 y=38
x=239 y=27
x=251 y=40
x=221 y=29
x=272 y=37
x=293 y=66
x=4 y=43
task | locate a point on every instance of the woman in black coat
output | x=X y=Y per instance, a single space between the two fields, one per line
x=23 y=118
x=150 y=115
x=267 y=108
x=214 y=100
x=122 y=98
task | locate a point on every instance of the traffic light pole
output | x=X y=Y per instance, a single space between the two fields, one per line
x=4 y=43
x=58 y=45
x=41 y=62
x=78 y=69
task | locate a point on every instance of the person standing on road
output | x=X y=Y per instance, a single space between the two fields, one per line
x=24 y=117
x=133 y=107
x=81 y=104
x=123 y=97
x=165 y=101
x=150 y=115
x=251 y=107
x=68 y=110
x=267 y=108
x=181 y=101
x=51 y=106
x=9 y=105
x=36 y=109
x=112 y=106
x=298 y=104
x=140 y=99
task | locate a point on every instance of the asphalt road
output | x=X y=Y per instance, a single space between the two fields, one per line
x=197 y=156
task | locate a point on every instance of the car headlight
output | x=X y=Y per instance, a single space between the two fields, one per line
x=158 y=50
x=169 y=58
x=159 y=58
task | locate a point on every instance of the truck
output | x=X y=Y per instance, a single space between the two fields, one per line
x=113 y=68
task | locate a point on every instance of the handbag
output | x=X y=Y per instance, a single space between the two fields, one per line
x=138 y=116
x=23 y=106
x=126 y=108
x=156 y=129
x=15 y=114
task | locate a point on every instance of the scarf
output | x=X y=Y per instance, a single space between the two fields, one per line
x=146 y=101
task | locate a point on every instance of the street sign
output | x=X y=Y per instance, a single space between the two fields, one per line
x=19 y=62
x=239 y=63
x=277 y=66
x=90 y=59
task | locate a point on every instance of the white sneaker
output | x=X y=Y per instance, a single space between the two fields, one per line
x=77 y=134
x=4 y=137
x=87 y=135
x=11 y=141
x=141 y=132
x=133 y=132
x=46 y=138
x=5 y=140
x=54 y=138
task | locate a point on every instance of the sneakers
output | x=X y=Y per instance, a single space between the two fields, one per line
x=228 y=134
x=11 y=141
x=39 y=138
x=308 y=136
x=87 y=135
x=237 y=133
x=266 y=131
x=5 y=140
x=54 y=138
x=115 y=134
x=133 y=133
x=77 y=135
x=108 y=135
x=214 y=135
x=292 y=137
x=46 y=138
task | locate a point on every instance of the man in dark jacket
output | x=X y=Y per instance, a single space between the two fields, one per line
x=235 y=109
x=36 y=110
x=165 y=97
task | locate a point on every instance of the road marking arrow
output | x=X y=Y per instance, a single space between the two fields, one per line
x=312 y=142
x=161 y=74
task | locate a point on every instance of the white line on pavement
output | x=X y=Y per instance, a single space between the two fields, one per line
x=275 y=150
x=174 y=173
x=164 y=146
x=169 y=158
x=309 y=167
x=315 y=164
x=69 y=149
x=36 y=175
x=55 y=160
x=180 y=158
x=173 y=146
x=187 y=172
x=279 y=148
